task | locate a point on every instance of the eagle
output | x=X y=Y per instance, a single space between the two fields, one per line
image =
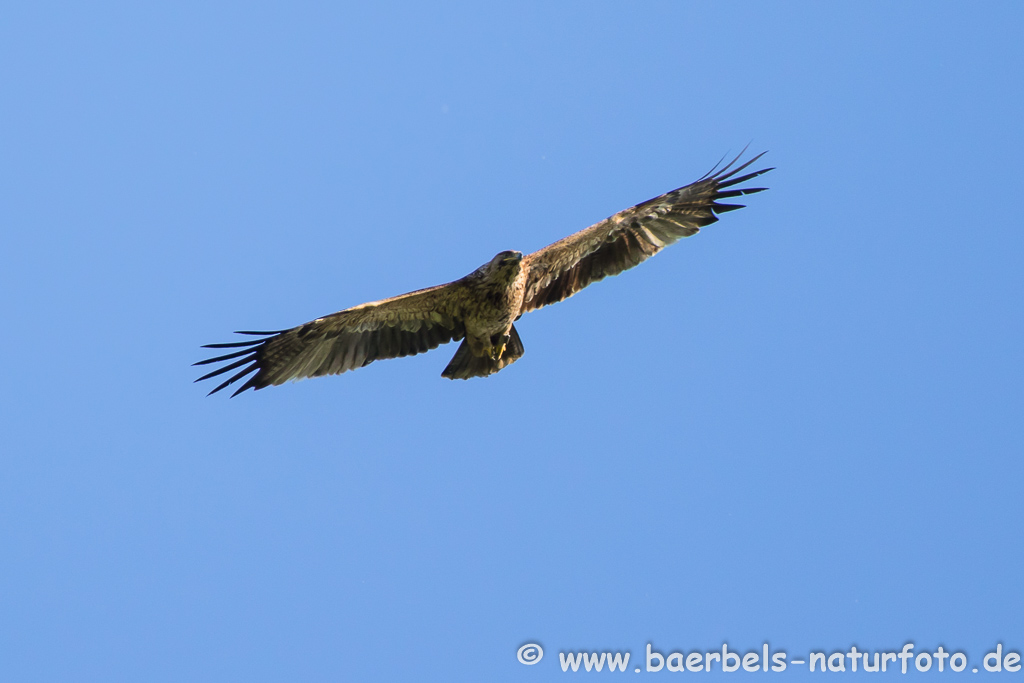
x=480 y=308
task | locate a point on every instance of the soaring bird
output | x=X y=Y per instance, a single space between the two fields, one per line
x=480 y=309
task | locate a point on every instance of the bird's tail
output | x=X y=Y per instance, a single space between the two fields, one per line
x=465 y=365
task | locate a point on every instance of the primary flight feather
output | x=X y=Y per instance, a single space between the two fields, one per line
x=480 y=308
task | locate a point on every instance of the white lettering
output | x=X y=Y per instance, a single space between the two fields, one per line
x=617 y=660
x=905 y=654
x=998 y=656
x=568 y=660
x=593 y=661
x=853 y=655
x=651 y=654
x=726 y=666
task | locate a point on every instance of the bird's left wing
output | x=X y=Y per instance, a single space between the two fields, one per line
x=400 y=326
x=629 y=237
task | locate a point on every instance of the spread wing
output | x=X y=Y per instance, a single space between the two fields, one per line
x=400 y=326
x=629 y=237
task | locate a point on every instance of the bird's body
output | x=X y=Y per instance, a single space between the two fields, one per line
x=480 y=309
x=496 y=296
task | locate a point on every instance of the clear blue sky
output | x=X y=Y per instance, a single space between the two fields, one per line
x=802 y=426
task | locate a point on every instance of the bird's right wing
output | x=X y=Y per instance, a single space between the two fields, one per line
x=400 y=326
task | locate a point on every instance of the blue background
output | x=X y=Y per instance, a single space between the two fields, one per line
x=802 y=426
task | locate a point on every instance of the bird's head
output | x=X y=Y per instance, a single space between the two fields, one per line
x=504 y=266
x=506 y=260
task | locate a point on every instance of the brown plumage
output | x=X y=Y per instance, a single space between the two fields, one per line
x=481 y=307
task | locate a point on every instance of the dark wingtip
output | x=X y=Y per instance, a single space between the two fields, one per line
x=234 y=378
x=252 y=383
x=227 y=356
x=249 y=353
x=714 y=169
x=720 y=174
x=739 y=192
x=232 y=345
x=726 y=173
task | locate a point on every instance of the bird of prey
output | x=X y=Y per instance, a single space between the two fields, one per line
x=480 y=309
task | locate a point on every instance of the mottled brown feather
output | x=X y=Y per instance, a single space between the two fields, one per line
x=628 y=238
x=400 y=326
